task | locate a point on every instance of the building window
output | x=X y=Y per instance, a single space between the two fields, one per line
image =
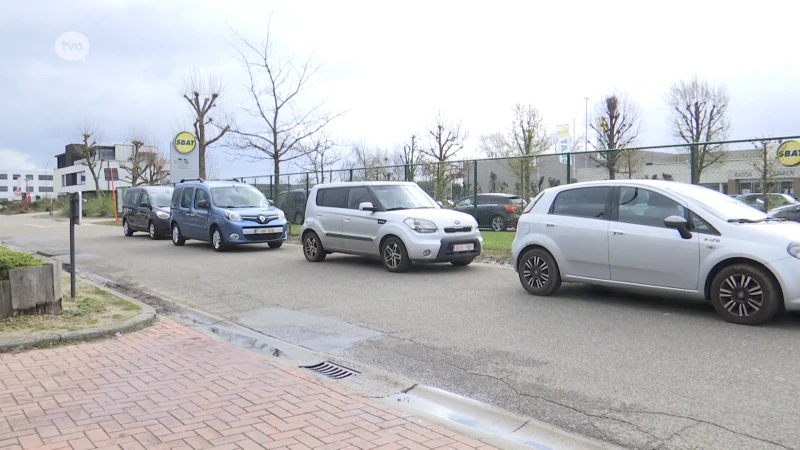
x=82 y=178
x=108 y=172
x=3 y=176
x=46 y=189
x=3 y=188
x=29 y=189
x=16 y=176
x=107 y=154
x=29 y=177
x=45 y=178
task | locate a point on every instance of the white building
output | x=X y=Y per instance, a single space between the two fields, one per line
x=38 y=183
x=73 y=173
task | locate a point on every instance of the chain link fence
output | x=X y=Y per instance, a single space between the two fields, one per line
x=495 y=191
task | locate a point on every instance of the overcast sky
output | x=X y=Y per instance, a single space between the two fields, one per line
x=390 y=65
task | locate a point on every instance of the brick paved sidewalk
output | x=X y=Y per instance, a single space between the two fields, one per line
x=171 y=387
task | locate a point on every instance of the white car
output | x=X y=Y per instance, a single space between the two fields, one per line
x=396 y=221
x=664 y=236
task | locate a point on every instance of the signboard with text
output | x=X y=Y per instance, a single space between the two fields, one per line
x=184 y=157
x=563 y=142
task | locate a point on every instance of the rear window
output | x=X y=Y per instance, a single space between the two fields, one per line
x=130 y=196
x=517 y=201
x=332 y=197
x=589 y=202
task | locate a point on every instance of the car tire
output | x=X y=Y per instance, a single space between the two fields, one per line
x=461 y=263
x=126 y=228
x=177 y=236
x=298 y=218
x=151 y=230
x=312 y=248
x=275 y=244
x=538 y=272
x=498 y=223
x=745 y=294
x=394 y=256
x=218 y=240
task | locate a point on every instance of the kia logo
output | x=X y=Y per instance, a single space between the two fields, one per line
x=458 y=222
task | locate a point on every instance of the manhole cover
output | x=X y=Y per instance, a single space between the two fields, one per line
x=332 y=370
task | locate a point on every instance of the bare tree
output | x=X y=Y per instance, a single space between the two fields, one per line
x=766 y=166
x=618 y=127
x=366 y=162
x=212 y=170
x=322 y=153
x=699 y=113
x=275 y=88
x=202 y=91
x=155 y=169
x=493 y=145
x=446 y=140
x=411 y=157
x=527 y=138
x=88 y=151
x=136 y=164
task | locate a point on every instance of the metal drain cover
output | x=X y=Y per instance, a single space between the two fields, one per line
x=332 y=370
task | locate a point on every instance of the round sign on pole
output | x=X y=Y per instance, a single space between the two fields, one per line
x=789 y=153
x=185 y=142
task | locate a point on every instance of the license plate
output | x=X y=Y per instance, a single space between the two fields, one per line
x=269 y=230
x=464 y=247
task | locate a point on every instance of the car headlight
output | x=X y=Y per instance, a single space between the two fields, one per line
x=162 y=215
x=794 y=249
x=421 y=225
x=232 y=216
x=281 y=215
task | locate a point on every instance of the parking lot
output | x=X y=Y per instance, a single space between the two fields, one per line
x=640 y=371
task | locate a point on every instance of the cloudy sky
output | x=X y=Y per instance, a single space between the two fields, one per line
x=391 y=66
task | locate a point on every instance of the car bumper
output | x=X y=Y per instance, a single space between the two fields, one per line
x=251 y=233
x=785 y=270
x=162 y=226
x=440 y=248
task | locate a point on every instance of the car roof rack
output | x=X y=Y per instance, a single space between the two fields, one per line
x=183 y=180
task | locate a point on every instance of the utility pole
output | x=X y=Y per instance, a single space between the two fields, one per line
x=586 y=136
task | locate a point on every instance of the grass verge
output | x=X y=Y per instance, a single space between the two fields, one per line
x=91 y=308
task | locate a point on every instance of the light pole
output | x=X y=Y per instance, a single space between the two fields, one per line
x=586 y=137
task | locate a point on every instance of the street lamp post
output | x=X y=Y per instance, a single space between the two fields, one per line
x=586 y=140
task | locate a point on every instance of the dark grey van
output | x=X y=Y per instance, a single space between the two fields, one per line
x=146 y=208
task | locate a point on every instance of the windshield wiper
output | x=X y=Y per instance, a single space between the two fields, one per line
x=396 y=209
x=766 y=219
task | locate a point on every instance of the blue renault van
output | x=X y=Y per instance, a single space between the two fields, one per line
x=225 y=213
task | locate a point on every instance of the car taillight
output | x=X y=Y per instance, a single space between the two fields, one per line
x=511 y=209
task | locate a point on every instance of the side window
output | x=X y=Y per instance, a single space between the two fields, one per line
x=299 y=197
x=176 y=197
x=465 y=202
x=486 y=200
x=359 y=195
x=333 y=198
x=587 y=202
x=644 y=207
x=186 y=197
x=201 y=195
x=701 y=226
x=130 y=197
x=144 y=200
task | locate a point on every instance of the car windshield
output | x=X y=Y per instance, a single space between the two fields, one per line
x=160 y=199
x=238 y=197
x=719 y=204
x=403 y=196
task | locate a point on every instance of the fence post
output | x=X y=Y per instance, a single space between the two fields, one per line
x=306 y=183
x=351 y=174
x=692 y=155
x=272 y=189
x=405 y=172
x=475 y=187
x=569 y=168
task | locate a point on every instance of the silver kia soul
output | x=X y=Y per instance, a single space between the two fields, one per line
x=396 y=221
x=664 y=236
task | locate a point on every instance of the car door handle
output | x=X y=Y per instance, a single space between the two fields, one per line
x=319 y=214
x=618 y=232
x=347 y=219
x=550 y=224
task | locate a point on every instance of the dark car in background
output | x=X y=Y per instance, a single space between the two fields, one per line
x=497 y=212
x=146 y=208
x=293 y=203
x=787 y=212
x=767 y=202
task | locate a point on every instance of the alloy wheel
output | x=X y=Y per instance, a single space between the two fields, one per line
x=311 y=247
x=741 y=295
x=536 y=272
x=125 y=228
x=176 y=234
x=393 y=255
x=497 y=224
x=152 y=230
x=216 y=239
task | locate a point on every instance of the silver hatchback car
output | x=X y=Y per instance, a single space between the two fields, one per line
x=662 y=236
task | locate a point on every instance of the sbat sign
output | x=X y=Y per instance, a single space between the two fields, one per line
x=184 y=160
x=789 y=153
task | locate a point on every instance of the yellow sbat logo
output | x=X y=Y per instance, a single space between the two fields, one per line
x=789 y=153
x=185 y=142
x=563 y=131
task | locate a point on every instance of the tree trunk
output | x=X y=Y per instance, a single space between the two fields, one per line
x=201 y=147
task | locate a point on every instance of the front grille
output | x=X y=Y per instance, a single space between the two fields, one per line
x=457 y=229
x=255 y=219
x=263 y=237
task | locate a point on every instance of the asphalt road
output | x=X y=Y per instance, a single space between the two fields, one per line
x=638 y=371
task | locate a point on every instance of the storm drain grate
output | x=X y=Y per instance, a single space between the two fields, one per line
x=332 y=370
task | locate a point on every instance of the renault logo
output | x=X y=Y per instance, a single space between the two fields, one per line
x=262 y=219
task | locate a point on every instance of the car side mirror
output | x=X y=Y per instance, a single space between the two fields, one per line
x=367 y=206
x=678 y=223
x=202 y=204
